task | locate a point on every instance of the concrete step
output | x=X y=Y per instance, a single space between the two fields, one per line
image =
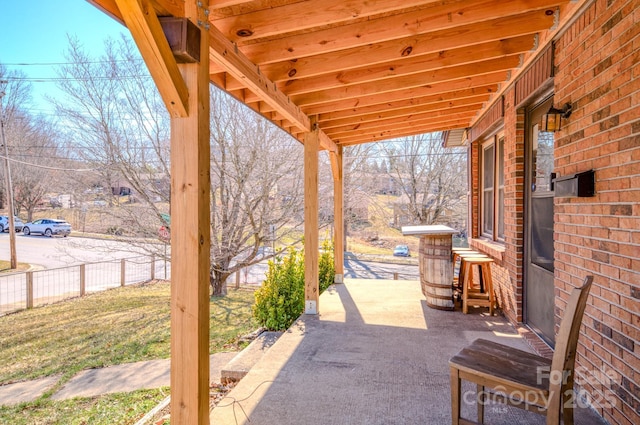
x=240 y=365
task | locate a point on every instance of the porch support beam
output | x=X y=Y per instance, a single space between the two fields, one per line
x=311 y=274
x=226 y=54
x=338 y=214
x=237 y=65
x=141 y=19
x=190 y=243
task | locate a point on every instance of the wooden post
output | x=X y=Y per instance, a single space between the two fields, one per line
x=29 y=289
x=191 y=240
x=122 y=272
x=238 y=279
x=83 y=280
x=338 y=214
x=153 y=267
x=311 y=287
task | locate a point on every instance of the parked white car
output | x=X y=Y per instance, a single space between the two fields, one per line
x=4 y=223
x=47 y=227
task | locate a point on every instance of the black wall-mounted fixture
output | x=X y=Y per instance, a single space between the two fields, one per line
x=579 y=184
x=552 y=120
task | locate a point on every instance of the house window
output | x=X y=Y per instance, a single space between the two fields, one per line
x=492 y=180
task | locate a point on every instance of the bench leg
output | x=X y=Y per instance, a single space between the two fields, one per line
x=481 y=400
x=568 y=403
x=455 y=396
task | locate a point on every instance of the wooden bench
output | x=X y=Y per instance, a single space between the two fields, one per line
x=519 y=378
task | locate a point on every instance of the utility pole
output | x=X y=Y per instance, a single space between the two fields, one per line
x=12 y=227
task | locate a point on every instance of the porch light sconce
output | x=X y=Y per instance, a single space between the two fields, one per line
x=552 y=120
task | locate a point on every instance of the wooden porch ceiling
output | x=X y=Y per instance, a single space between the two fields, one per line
x=369 y=70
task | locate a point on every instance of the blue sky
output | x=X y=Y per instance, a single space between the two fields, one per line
x=35 y=32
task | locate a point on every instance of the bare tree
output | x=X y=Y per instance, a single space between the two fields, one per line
x=430 y=178
x=122 y=130
x=255 y=187
x=33 y=154
x=31 y=145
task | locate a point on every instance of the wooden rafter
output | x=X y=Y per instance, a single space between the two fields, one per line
x=358 y=64
x=304 y=15
x=459 y=18
x=227 y=56
x=142 y=21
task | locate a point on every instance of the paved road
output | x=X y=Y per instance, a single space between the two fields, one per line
x=60 y=252
x=378 y=270
x=353 y=268
x=57 y=274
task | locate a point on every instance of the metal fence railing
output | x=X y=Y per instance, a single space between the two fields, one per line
x=22 y=290
x=29 y=289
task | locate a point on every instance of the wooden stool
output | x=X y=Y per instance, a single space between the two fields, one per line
x=483 y=295
x=456 y=251
x=460 y=255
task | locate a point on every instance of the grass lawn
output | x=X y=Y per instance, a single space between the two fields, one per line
x=113 y=327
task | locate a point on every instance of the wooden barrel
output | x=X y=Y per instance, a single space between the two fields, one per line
x=436 y=271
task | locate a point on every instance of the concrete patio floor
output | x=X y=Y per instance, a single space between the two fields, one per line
x=376 y=354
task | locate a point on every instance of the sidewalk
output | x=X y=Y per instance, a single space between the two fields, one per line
x=93 y=382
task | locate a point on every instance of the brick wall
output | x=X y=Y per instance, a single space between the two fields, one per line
x=514 y=181
x=598 y=71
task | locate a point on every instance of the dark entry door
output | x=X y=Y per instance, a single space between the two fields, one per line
x=539 y=287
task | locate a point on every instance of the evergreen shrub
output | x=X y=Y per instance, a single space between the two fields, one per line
x=280 y=299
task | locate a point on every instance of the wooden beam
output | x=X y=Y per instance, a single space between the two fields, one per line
x=433 y=110
x=142 y=21
x=304 y=15
x=394 y=134
x=401 y=107
x=377 y=103
x=338 y=214
x=465 y=72
x=326 y=142
x=459 y=18
x=414 y=121
x=226 y=54
x=442 y=60
x=219 y=4
x=190 y=236
x=311 y=273
x=384 y=58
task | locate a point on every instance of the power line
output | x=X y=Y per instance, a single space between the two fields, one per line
x=60 y=79
x=46 y=167
x=67 y=63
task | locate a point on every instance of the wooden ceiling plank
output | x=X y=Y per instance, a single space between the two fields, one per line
x=434 y=61
x=304 y=15
x=404 y=82
x=437 y=109
x=434 y=93
x=384 y=54
x=457 y=18
x=475 y=84
x=439 y=101
x=400 y=132
x=406 y=121
x=142 y=21
x=452 y=99
x=225 y=54
x=219 y=4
